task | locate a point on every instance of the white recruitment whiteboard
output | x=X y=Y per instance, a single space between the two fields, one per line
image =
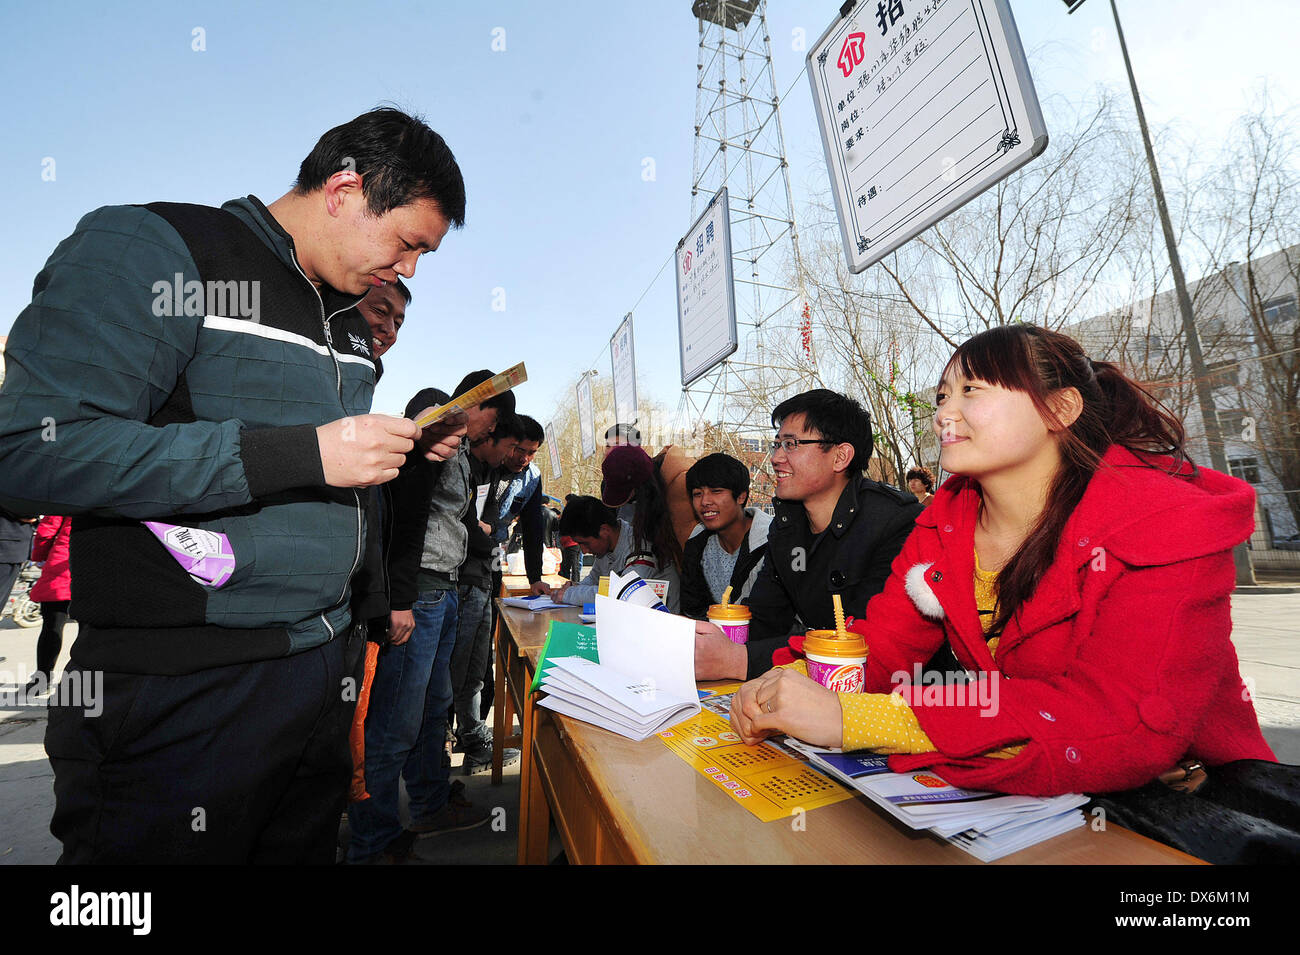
x=706 y=300
x=923 y=104
x=553 y=450
x=586 y=420
x=622 y=358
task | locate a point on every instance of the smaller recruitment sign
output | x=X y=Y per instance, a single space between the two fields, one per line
x=706 y=301
x=623 y=359
x=553 y=449
x=586 y=419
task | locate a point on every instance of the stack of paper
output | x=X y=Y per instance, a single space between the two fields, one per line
x=596 y=694
x=564 y=640
x=986 y=825
x=642 y=677
x=540 y=602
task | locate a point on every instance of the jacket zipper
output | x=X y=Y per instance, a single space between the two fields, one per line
x=338 y=378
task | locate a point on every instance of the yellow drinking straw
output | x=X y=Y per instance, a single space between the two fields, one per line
x=726 y=597
x=841 y=632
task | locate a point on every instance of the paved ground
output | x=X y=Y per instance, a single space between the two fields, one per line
x=27 y=798
x=1266 y=631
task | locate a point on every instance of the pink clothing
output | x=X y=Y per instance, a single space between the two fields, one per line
x=50 y=544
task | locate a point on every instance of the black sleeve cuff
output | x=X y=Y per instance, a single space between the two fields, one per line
x=276 y=459
x=372 y=606
x=760 y=656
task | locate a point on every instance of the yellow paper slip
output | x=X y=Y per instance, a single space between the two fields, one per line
x=512 y=377
x=771 y=781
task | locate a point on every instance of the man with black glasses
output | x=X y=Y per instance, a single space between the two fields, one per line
x=835 y=532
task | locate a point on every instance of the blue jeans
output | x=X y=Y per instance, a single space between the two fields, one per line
x=406 y=726
x=469 y=663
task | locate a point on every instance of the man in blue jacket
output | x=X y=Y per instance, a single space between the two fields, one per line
x=206 y=371
x=519 y=496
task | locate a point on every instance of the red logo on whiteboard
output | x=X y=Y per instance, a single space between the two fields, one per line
x=851 y=53
x=686 y=266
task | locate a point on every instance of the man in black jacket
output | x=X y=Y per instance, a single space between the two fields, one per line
x=835 y=532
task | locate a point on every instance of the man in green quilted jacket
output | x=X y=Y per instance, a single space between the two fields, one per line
x=193 y=384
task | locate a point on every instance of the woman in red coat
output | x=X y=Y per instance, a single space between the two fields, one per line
x=1077 y=564
x=53 y=592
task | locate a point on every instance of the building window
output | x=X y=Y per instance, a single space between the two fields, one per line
x=1232 y=421
x=1222 y=373
x=1280 y=310
x=1245 y=468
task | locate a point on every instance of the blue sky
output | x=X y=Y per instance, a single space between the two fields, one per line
x=550 y=133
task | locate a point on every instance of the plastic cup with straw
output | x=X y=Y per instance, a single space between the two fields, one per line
x=836 y=658
x=731 y=619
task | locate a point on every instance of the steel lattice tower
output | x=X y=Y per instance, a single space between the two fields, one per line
x=739 y=144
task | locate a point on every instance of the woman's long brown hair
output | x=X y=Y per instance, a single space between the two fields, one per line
x=652 y=523
x=1116 y=410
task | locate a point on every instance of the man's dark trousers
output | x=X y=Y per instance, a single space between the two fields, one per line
x=246 y=763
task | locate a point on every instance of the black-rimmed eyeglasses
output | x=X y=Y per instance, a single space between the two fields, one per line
x=790 y=445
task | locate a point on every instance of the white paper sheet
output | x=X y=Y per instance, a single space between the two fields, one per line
x=646 y=644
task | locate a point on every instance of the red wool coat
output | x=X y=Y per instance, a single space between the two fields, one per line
x=50 y=544
x=1117 y=667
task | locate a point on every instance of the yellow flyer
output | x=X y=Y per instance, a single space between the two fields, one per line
x=770 y=780
x=512 y=377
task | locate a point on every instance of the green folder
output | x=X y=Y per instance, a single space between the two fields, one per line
x=565 y=639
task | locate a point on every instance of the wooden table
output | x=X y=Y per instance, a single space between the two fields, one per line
x=617 y=801
x=505 y=704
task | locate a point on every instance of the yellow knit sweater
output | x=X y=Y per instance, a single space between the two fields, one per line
x=883 y=722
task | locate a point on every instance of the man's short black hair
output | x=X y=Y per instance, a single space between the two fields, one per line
x=532 y=430
x=718 y=470
x=400 y=160
x=583 y=517
x=509 y=425
x=836 y=417
x=404 y=289
x=502 y=402
x=622 y=434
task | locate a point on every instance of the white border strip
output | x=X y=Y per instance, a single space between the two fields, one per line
x=243 y=326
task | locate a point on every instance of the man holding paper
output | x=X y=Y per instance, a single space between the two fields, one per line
x=207 y=370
